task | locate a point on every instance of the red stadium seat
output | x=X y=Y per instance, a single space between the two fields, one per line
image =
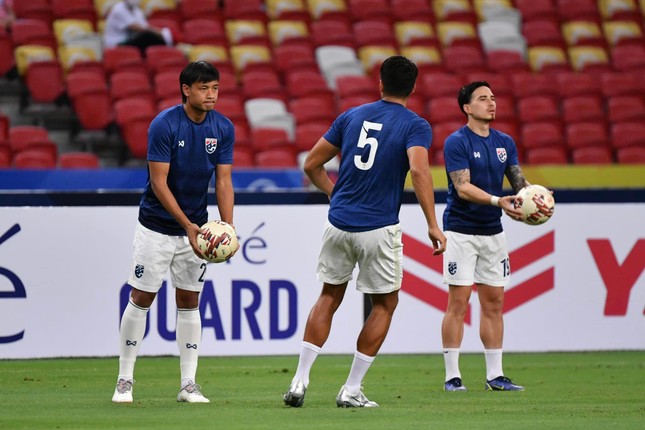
x=202 y=31
x=5 y=124
x=458 y=59
x=79 y=160
x=533 y=10
x=276 y=158
x=7 y=58
x=543 y=32
x=627 y=134
x=374 y=32
x=243 y=156
x=37 y=9
x=362 y=10
x=411 y=10
x=570 y=10
x=269 y=138
x=441 y=131
x=166 y=85
x=578 y=84
x=631 y=155
x=443 y=109
x=584 y=134
x=312 y=109
x=530 y=84
x=292 y=57
x=506 y=62
x=354 y=85
x=44 y=80
x=592 y=155
x=626 y=108
x=34 y=159
x=619 y=84
x=33 y=32
x=538 y=108
x=541 y=135
x=307 y=83
x=262 y=83
x=130 y=84
x=332 y=32
x=160 y=58
x=439 y=85
x=582 y=108
x=308 y=134
x=548 y=155
x=353 y=101
x=123 y=58
x=232 y=107
x=200 y=9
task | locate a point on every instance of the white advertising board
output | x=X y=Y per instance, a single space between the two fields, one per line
x=577 y=284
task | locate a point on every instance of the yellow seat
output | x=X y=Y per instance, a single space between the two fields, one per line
x=422 y=55
x=243 y=55
x=373 y=55
x=485 y=8
x=575 y=32
x=27 y=54
x=450 y=31
x=281 y=30
x=444 y=8
x=70 y=54
x=239 y=29
x=584 y=56
x=70 y=30
x=150 y=6
x=318 y=8
x=408 y=31
x=276 y=7
x=610 y=8
x=208 y=53
x=615 y=31
x=541 y=56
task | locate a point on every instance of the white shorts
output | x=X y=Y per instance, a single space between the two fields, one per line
x=379 y=254
x=156 y=253
x=472 y=259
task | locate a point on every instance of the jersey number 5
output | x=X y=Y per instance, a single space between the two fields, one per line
x=363 y=141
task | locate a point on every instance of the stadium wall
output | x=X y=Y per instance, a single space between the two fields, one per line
x=577 y=281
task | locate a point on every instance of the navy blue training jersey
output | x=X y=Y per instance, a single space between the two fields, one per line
x=193 y=151
x=487 y=159
x=373 y=139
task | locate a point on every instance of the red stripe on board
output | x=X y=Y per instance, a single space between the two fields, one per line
x=529 y=289
x=428 y=293
x=422 y=253
x=532 y=251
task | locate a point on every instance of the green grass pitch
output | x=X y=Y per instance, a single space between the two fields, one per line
x=586 y=390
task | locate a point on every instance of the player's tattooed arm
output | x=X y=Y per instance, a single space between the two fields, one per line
x=516 y=177
x=460 y=177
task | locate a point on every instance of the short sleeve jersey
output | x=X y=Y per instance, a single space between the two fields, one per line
x=373 y=140
x=487 y=159
x=193 y=151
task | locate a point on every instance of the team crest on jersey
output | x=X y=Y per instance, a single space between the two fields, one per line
x=211 y=145
x=138 y=270
x=501 y=154
x=452 y=267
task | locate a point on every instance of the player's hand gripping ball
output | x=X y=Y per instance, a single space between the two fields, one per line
x=536 y=203
x=218 y=242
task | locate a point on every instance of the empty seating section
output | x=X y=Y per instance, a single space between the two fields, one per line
x=567 y=74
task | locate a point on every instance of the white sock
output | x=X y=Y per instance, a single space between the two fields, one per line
x=451 y=361
x=308 y=354
x=493 y=363
x=360 y=366
x=189 y=335
x=133 y=327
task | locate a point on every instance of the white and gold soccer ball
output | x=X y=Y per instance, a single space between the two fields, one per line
x=536 y=203
x=219 y=241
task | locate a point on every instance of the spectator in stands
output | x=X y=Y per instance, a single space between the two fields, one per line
x=126 y=24
x=7 y=16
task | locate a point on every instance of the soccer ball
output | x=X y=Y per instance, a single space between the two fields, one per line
x=219 y=242
x=536 y=203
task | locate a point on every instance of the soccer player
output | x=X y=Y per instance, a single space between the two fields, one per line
x=380 y=142
x=477 y=158
x=187 y=144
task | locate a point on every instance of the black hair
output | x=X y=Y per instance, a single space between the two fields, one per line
x=398 y=75
x=197 y=71
x=466 y=93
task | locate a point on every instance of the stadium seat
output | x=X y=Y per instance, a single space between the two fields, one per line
x=308 y=134
x=443 y=109
x=582 y=108
x=332 y=32
x=312 y=108
x=292 y=57
x=74 y=9
x=79 y=82
x=353 y=101
x=31 y=138
x=441 y=131
x=203 y=31
x=131 y=84
x=70 y=55
x=411 y=10
x=619 y=9
x=288 y=31
x=251 y=57
x=242 y=134
x=34 y=159
x=307 y=83
x=619 y=84
x=166 y=85
x=37 y=9
x=287 y=9
x=44 y=81
x=542 y=135
x=537 y=109
x=365 y=10
x=374 y=32
x=500 y=83
x=454 y=10
x=372 y=56
x=543 y=32
x=570 y=10
x=243 y=156
x=457 y=33
x=533 y=10
x=434 y=85
x=7 y=59
x=200 y=9
x=631 y=155
x=247 y=9
x=79 y=160
x=5 y=124
x=246 y=32
x=592 y=155
x=263 y=138
x=5 y=155
x=583 y=33
x=458 y=59
x=511 y=128
x=555 y=155
x=232 y=107
x=262 y=83
x=498 y=36
x=93 y=109
x=427 y=58
x=417 y=103
x=627 y=134
x=620 y=33
x=269 y=113
x=133 y=109
x=546 y=59
x=625 y=108
x=589 y=58
x=506 y=62
x=276 y=158
x=578 y=84
x=505 y=107
x=529 y=84
x=628 y=58
x=162 y=57
x=323 y=10
x=123 y=58
x=33 y=32
x=582 y=134
x=27 y=54
x=414 y=32
x=349 y=85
